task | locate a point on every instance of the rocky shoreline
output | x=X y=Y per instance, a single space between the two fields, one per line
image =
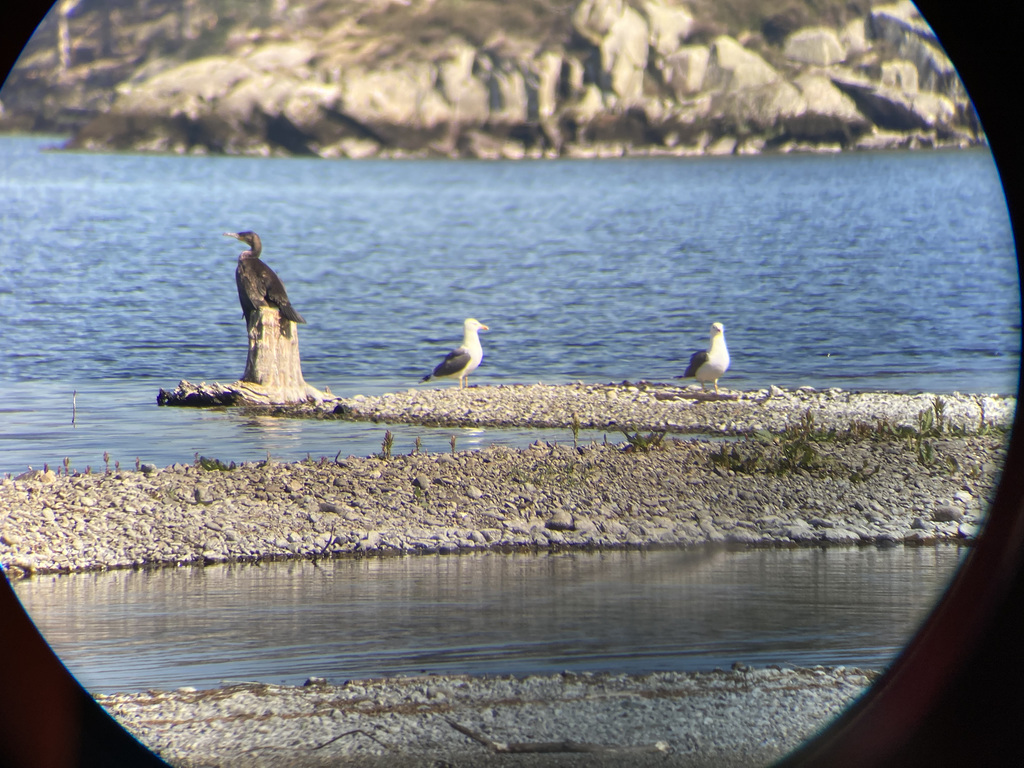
x=626 y=405
x=587 y=79
x=764 y=468
x=737 y=717
x=675 y=409
x=812 y=468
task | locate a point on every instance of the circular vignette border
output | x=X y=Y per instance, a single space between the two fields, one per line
x=953 y=697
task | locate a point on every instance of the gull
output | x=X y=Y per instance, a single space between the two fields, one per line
x=465 y=358
x=708 y=366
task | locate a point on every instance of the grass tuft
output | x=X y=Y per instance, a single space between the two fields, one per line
x=213 y=465
x=386 y=445
x=644 y=443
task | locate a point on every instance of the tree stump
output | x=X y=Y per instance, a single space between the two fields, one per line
x=272 y=364
x=272 y=376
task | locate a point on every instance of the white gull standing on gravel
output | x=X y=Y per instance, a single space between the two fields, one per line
x=464 y=359
x=710 y=365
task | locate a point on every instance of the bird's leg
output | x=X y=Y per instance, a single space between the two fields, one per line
x=716 y=386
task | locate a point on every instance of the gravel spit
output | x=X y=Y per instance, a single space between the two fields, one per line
x=731 y=470
x=742 y=716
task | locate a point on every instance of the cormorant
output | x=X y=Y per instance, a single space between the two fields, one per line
x=462 y=360
x=257 y=283
x=708 y=366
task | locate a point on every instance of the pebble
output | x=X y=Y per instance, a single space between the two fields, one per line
x=945 y=513
x=560 y=521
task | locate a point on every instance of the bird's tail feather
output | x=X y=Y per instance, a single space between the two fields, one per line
x=289 y=312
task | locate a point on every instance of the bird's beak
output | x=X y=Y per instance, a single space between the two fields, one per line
x=231 y=234
x=484 y=328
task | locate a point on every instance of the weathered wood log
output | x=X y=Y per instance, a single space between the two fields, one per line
x=272 y=376
x=515 y=747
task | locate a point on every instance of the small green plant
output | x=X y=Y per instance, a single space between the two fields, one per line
x=106 y=462
x=797 y=445
x=939 y=408
x=792 y=451
x=644 y=443
x=67 y=466
x=213 y=465
x=385 y=446
x=417 y=446
x=926 y=453
x=931 y=422
x=138 y=464
x=799 y=454
x=926 y=423
x=453 y=445
x=804 y=430
x=733 y=457
x=985 y=427
x=575 y=426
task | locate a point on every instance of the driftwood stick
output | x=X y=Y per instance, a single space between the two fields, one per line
x=513 y=747
x=350 y=733
x=239 y=393
x=699 y=396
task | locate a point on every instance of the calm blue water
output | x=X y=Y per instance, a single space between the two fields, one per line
x=869 y=271
x=487 y=614
x=864 y=271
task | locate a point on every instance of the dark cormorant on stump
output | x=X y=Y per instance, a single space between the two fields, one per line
x=258 y=285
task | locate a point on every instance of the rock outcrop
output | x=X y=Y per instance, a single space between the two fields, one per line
x=614 y=77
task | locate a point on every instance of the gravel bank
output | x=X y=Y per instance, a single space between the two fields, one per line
x=737 y=717
x=661 y=406
x=791 y=489
x=760 y=492
x=643 y=405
